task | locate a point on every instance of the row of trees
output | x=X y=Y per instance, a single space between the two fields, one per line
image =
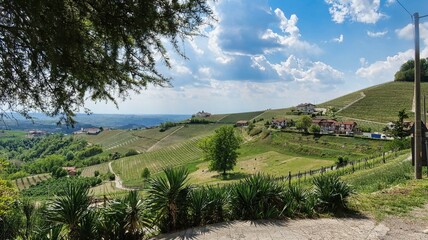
x=170 y=204
x=407 y=71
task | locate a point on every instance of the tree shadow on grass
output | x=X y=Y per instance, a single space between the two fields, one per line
x=231 y=176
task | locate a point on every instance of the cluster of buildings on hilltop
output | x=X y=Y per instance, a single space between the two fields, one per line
x=89 y=131
x=202 y=114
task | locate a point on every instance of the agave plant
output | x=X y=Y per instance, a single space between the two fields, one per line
x=297 y=201
x=167 y=197
x=331 y=193
x=68 y=210
x=124 y=218
x=256 y=197
x=206 y=205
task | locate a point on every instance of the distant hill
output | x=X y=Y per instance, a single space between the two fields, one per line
x=116 y=121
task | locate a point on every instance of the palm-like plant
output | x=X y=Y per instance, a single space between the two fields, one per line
x=28 y=210
x=69 y=209
x=331 y=193
x=256 y=197
x=168 y=199
x=127 y=216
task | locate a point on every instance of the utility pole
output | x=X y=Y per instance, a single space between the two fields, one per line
x=417 y=124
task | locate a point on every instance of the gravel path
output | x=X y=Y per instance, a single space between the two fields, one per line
x=324 y=228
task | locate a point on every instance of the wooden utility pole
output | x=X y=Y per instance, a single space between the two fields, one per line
x=417 y=124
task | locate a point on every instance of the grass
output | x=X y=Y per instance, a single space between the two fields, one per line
x=272 y=162
x=11 y=134
x=342 y=101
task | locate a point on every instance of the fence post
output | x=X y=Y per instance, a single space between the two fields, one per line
x=298 y=177
x=353 y=169
x=289 y=178
x=322 y=170
x=383 y=157
x=305 y=175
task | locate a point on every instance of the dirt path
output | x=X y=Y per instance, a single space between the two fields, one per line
x=323 y=228
x=118 y=181
x=350 y=104
x=154 y=145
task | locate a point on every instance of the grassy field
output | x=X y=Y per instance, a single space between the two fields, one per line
x=26 y=182
x=382 y=102
x=9 y=134
x=89 y=171
x=326 y=146
x=271 y=162
x=342 y=101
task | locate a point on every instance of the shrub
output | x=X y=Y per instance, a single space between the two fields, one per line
x=331 y=193
x=256 y=197
x=298 y=201
x=131 y=152
x=112 y=177
x=206 y=205
x=146 y=173
x=96 y=173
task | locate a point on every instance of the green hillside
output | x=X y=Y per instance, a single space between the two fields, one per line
x=380 y=104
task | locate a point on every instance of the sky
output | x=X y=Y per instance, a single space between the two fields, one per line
x=269 y=54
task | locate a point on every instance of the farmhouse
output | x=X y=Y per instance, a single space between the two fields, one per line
x=326 y=125
x=71 y=171
x=89 y=131
x=345 y=127
x=35 y=133
x=280 y=123
x=241 y=123
x=203 y=114
x=307 y=108
x=333 y=126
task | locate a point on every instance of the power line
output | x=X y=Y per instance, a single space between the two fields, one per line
x=411 y=15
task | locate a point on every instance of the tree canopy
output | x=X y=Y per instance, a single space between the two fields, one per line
x=221 y=149
x=407 y=71
x=55 y=54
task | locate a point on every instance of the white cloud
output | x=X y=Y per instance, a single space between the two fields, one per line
x=383 y=71
x=300 y=70
x=338 y=39
x=291 y=37
x=364 y=11
x=376 y=34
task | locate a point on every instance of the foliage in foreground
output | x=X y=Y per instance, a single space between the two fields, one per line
x=171 y=204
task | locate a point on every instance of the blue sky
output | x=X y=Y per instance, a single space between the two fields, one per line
x=264 y=54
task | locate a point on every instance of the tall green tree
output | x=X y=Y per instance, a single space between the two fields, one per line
x=57 y=53
x=303 y=123
x=398 y=128
x=221 y=149
x=407 y=71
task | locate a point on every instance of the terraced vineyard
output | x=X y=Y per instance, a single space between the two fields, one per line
x=382 y=102
x=130 y=168
x=26 y=182
x=233 y=118
x=107 y=189
x=123 y=140
x=187 y=132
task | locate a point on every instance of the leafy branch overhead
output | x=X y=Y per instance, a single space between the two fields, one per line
x=56 y=54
